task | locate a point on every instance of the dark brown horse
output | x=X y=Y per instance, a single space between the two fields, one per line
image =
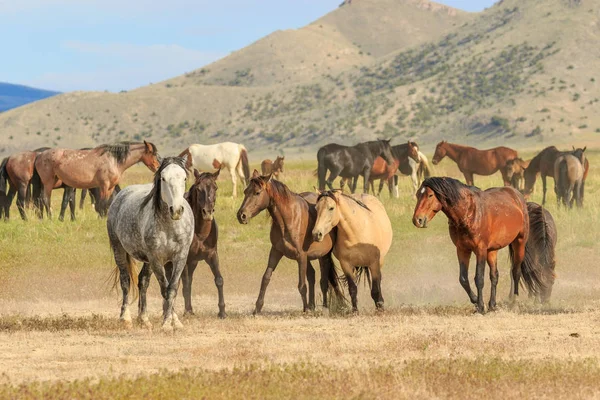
x=293 y=219
x=543 y=164
x=482 y=222
x=100 y=167
x=269 y=167
x=472 y=161
x=202 y=197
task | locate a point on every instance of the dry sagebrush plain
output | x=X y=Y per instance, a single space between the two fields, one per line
x=60 y=336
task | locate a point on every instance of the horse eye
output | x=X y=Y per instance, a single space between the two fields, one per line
x=330 y=208
x=257 y=193
x=431 y=195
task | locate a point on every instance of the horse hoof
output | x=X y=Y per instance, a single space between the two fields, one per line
x=189 y=313
x=145 y=323
x=167 y=328
x=127 y=324
x=222 y=315
x=177 y=324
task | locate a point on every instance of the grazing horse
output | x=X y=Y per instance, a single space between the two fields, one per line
x=202 y=197
x=154 y=224
x=232 y=156
x=351 y=162
x=100 y=167
x=482 y=222
x=568 y=180
x=293 y=218
x=364 y=236
x=472 y=161
x=543 y=164
x=540 y=247
x=269 y=167
x=514 y=170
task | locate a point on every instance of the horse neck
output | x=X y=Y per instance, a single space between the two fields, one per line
x=462 y=214
x=135 y=155
x=453 y=151
x=346 y=229
x=202 y=227
x=282 y=214
x=400 y=152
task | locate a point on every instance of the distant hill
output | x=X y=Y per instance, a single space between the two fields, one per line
x=522 y=73
x=13 y=96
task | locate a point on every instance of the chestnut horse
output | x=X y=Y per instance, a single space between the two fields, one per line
x=268 y=167
x=100 y=167
x=472 y=161
x=202 y=197
x=293 y=218
x=18 y=170
x=515 y=172
x=543 y=164
x=364 y=237
x=482 y=222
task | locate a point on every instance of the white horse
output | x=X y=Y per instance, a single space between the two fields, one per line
x=154 y=224
x=210 y=158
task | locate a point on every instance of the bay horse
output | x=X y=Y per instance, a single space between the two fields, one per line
x=482 y=222
x=472 y=161
x=384 y=172
x=269 y=167
x=100 y=167
x=154 y=224
x=18 y=169
x=232 y=156
x=351 y=162
x=568 y=180
x=515 y=172
x=202 y=197
x=293 y=217
x=543 y=164
x=364 y=237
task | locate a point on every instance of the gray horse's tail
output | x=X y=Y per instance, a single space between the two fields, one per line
x=133 y=275
x=3 y=176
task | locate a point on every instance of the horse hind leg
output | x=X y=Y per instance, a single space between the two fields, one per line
x=124 y=266
x=376 y=294
x=492 y=259
x=517 y=255
x=21 y=200
x=213 y=262
x=310 y=274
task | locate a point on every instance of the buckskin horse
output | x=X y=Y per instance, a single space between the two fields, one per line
x=483 y=222
x=351 y=162
x=229 y=155
x=568 y=180
x=472 y=161
x=100 y=167
x=364 y=237
x=293 y=217
x=543 y=164
x=152 y=223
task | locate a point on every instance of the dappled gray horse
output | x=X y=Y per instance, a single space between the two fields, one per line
x=154 y=224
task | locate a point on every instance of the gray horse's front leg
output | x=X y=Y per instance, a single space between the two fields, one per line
x=143 y=283
x=168 y=289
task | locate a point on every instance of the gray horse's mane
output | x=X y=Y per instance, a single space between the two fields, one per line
x=330 y=194
x=447 y=190
x=120 y=151
x=154 y=194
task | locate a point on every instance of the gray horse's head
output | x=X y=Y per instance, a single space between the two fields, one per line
x=169 y=187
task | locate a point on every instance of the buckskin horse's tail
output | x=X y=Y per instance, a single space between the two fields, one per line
x=321 y=168
x=3 y=175
x=539 y=262
x=244 y=164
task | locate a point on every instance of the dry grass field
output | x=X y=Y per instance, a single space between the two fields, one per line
x=60 y=336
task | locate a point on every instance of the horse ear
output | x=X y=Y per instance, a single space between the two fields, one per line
x=216 y=174
x=196 y=173
x=255 y=174
x=186 y=159
x=268 y=177
x=573 y=147
x=584 y=149
x=317 y=191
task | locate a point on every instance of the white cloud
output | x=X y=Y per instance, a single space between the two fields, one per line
x=122 y=66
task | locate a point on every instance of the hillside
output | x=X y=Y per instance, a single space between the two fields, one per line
x=522 y=72
x=13 y=96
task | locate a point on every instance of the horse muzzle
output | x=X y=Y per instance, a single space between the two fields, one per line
x=176 y=214
x=242 y=217
x=318 y=236
x=435 y=161
x=420 y=222
x=208 y=215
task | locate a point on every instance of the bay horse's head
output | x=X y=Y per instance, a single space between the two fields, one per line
x=203 y=194
x=278 y=166
x=433 y=195
x=579 y=153
x=169 y=187
x=256 y=198
x=440 y=152
x=413 y=151
x=328 y=214
x=150 y=157
x=386 y=151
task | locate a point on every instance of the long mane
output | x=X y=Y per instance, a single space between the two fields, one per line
x=447 y=190
x=331 y=195
x=154 y=194
x=120 y=151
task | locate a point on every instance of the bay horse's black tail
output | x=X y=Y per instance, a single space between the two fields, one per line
x=321 y=168
x=36 y=191
x=3 y=176
x=539 y=262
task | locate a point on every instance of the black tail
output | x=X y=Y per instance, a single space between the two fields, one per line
x=360 y=271
x=334 y=282
x=539 y=263
x=321 y=168
x=36 y=191
x=3 y=176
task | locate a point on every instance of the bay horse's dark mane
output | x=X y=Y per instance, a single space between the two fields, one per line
x=120 y=151
x=278 y=190
x=448 y=190
x=331 y=195
x=154 y=194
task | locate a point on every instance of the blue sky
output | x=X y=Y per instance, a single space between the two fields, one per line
x=123 y=44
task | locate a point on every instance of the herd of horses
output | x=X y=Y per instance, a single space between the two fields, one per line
x=171 y=230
